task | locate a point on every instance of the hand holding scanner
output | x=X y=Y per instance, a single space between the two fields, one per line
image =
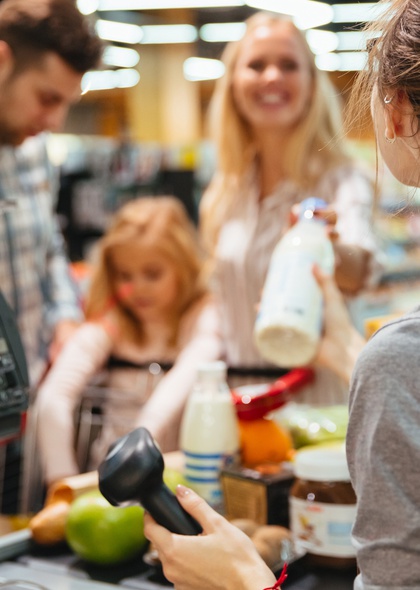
x=133 y=472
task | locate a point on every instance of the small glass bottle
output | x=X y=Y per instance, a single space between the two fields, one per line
x=289 y=320
x=323 y=507
x=209 y=436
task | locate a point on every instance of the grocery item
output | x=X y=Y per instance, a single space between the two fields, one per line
x=310 y=425
x=209 y=435
x=271 y=541
x=323 y=506
x=104 y=534
x=48 y=526
x=289 y=319
x=264 y=441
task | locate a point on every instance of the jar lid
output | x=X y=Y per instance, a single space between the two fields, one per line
x=327 y=464
x=212 y=370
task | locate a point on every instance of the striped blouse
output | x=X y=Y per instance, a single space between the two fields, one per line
x=247 y=241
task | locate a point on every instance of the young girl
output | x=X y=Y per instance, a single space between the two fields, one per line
x=147 y=302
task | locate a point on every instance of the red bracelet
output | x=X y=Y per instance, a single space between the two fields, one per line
x=279 y=580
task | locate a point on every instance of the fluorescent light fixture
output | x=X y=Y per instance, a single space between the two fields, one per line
x=118 y=32
x=160 y=4
x=200 y=68
x=306 y=14
x=321 y=41
x=222 y=32
x=352 y=40
x=87 y=6
x=109 y=79
x=121 y=57
x=345 y=61
x=169 y=34
x=357 y=13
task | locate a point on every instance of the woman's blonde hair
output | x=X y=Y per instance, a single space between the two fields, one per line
x=393 y=59
x=157 y=222
x=316 y=134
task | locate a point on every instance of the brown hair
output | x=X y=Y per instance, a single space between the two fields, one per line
x=34 y=27
x=159 y=222
x=393 y=58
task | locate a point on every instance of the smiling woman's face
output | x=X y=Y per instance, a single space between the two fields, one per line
x=272 y=81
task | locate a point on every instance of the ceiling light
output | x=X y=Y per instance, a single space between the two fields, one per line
x=200 y=68
x=87 y=6
x=118 y=32
x=357 y=13
x=169 y=34
x=345 y=61
x=222 y=32
x=109 y=79
x=321 y=41
x=351 y=40
x=306 y=13
x=160 y=4
x=121 y=57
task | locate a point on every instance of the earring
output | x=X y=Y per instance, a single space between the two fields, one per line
x=388 y=100
x=390 y=139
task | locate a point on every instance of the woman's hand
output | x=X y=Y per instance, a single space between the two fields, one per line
x=351 y=261
x=222 y=557
x=341 y=343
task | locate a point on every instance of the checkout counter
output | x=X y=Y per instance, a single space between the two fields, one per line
x=58 y=569
x=25 y=565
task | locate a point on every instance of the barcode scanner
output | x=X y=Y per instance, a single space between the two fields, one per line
x=132 y=472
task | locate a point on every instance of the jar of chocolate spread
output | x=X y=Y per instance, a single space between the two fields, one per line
x=323 y=507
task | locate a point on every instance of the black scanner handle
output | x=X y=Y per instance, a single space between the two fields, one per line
x=132 y=471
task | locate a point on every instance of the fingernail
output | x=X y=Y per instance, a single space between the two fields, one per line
x=182 y=491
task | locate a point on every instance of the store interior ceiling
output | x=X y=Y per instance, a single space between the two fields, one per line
x=335 y=39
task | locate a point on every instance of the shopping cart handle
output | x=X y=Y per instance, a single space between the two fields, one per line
x=133 y=472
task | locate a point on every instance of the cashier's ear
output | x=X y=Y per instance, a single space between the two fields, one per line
x=400 y=120
x=7 y=62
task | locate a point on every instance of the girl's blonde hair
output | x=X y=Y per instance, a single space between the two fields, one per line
x=157 y=222
x=393 y=59
x=316 y=134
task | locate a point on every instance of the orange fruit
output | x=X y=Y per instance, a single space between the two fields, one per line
x=264 y=441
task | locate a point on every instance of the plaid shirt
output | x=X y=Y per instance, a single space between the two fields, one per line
x=34 y=272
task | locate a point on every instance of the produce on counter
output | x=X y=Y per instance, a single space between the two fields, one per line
x=104 y=534
x=309 y=425
x=48 y=526
x=263 y=441
x=268 y=539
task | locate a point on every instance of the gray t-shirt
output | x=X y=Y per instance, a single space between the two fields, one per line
x=383 y=450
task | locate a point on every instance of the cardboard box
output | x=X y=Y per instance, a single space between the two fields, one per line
x=261 y=493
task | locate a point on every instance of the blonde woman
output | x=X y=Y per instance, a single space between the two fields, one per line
x=147 y=302
x=277 y=125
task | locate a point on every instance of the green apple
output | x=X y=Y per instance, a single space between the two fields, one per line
x=172 y=478
x=104 y=534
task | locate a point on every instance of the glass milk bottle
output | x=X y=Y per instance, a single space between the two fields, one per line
x=289 y=321
x=209 y=435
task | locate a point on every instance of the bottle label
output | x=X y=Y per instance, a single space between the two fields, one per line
x=202 y=471
x=322 y=529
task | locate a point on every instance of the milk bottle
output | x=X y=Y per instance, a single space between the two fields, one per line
x=209 y=435
x=289 y=320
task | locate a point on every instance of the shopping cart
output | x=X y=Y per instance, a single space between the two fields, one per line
x=101 y=403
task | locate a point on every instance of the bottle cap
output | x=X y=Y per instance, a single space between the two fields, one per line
x=212 y=370
x=327 y=464
x=311 y=204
